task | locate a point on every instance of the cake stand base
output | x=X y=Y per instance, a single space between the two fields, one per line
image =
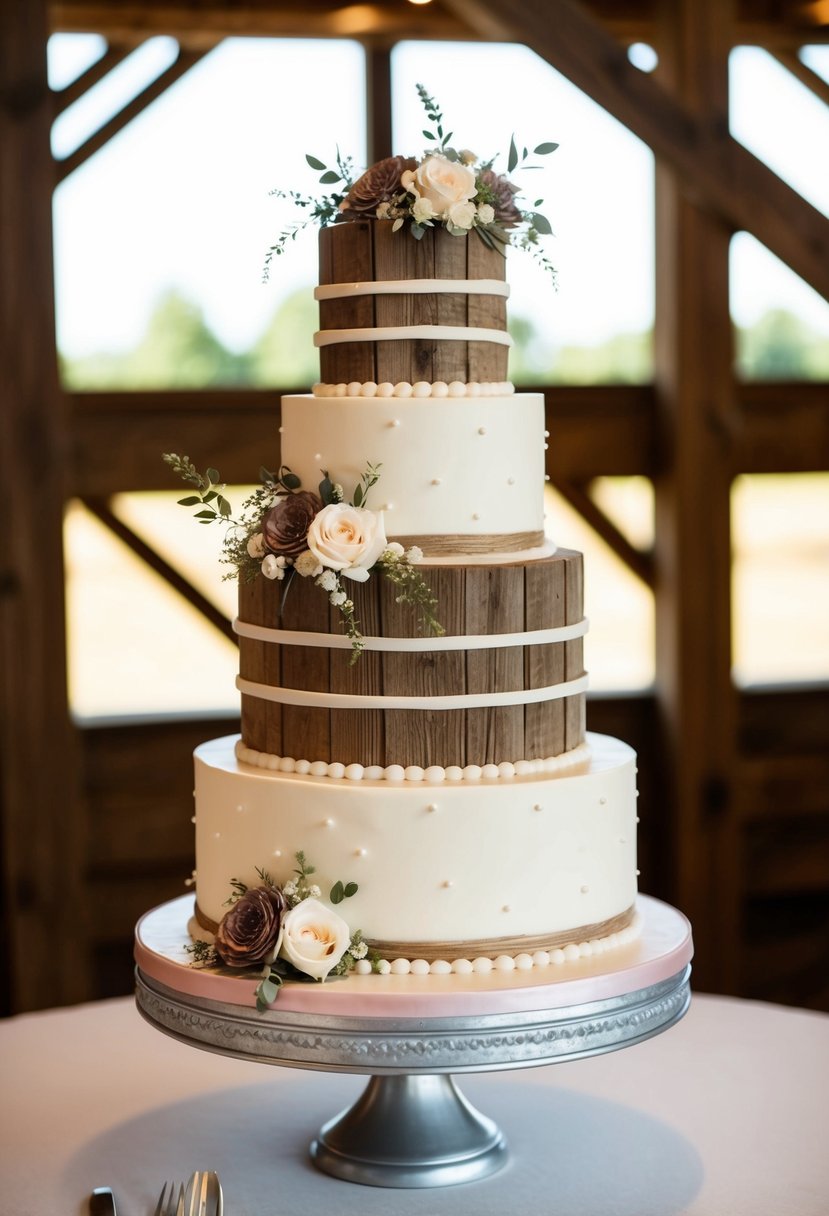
x=410 y=1131
x=412 y=1127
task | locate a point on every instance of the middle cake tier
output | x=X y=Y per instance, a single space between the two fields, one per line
x=457 y=476
x=504 y=685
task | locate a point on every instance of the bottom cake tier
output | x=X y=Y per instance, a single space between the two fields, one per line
x=450 y=871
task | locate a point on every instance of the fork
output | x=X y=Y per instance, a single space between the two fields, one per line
x=171 y=1204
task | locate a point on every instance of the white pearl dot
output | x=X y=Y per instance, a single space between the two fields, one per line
x=602 y=802
x=475 y=515
x=217 y=835
x=369 y=389
x=277 y=852
x=472 y=772
x=302 y=767
x=338 y=390
x=336 y=770
x=504 y=963
x=462 y=966
x=395 y=773
x=436 y=481
x=454 y=773
x=419 y=966
x=482 y=966
x=489 y=772
x=192 y=818
x=473 y=389
x=447 y=883
x=403 y=389
x=541 y=958
x=510 y=481
x=287 y=764
x=506 y=908
x=239 y=808
x=557 y=957
x=457 y=388
x=328 y=823
x=440 y=389
x=363 y=966
x=318 y=768
x=421 y=389
x=523 y=962
x=355 y=772
x=413 y=773
x=317 y=455
x=584 y=889
x=505 y=769
x=401 y=966
x=481 y=430
x=353 y=389
x=360 y=852
x=385 y=389
x=374 y=772
x=440 y=967
x=434 y=774
x=537 y=806
x=571 y=952
x=432 y=807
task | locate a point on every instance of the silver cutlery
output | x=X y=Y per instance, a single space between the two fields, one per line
x=170 y=1201
x=102 y=1202
x=203 y=1196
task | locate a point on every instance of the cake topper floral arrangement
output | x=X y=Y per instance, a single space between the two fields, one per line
x=446 y=186
x=284 y=530
x=286 y=933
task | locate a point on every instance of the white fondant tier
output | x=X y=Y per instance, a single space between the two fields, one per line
x=530 y=856
x=473 y=466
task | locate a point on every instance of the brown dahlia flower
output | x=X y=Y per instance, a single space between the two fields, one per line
x=506 y=212
x=285 y=526
x=379 y=184
x=250 y=930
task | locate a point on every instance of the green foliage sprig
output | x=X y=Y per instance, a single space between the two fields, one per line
x=320 y=211
x=413 y=590
x=209 y=496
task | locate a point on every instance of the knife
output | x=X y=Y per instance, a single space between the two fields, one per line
x=102 y=1202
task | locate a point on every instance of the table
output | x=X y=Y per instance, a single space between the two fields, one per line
x=724 y=1115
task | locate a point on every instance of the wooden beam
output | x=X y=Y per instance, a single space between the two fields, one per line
x=192 y=23
x=792 y=62
x=182 y=63
x=102 y=511
x=714 y=171
x=638 y=561
x=43 y=960
x=694 y=384
x=378 y=100
x=112 y=56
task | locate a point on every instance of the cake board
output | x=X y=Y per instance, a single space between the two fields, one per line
x=412 y=1127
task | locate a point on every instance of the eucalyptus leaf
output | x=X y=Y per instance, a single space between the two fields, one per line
x=337 y=893
x=290 y=481
x=545 y=149
x=350 y=889
x=326 y=490
x=417 y=231
x=329 y=178
x=314 y=163
x=224 y=507
x=210 y=495
x=512 y=159
x=192 y=500
x=541 y=224
x=428 y=134
x=213 y=476
x=358 y=496
x=207 y=515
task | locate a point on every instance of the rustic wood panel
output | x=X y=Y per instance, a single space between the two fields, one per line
x=426 y=737
x=306 y=731
x=358 y=732
x=495 y=604
x=365 y=251
x=42 y=822
x=545 y=607
x=574 y=707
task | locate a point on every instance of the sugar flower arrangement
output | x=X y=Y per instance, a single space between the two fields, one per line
x=446 y=186
x=284 y=530
x=286 y=932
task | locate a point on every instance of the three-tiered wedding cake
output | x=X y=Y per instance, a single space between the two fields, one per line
x=445 y=775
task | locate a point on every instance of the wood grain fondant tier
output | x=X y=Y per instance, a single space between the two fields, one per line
x=503 y=599
x=367 y=251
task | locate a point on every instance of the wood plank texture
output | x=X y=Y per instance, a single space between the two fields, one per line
x=472 y=600
x=369 y=251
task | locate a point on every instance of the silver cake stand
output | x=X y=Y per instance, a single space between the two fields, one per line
x=412 y=1127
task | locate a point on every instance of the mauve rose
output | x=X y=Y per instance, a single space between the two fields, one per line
x=285 y=526
x=506 y=212
x=378 y=185
x=251 y=931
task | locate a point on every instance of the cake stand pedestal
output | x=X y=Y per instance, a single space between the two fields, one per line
x=412 y=1127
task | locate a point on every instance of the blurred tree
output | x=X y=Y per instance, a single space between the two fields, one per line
x=781 y=347
x=285 y=354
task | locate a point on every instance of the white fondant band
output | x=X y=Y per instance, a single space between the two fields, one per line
x=413 y=287
x=402 y=333
x=476 y=641
x=338 y=700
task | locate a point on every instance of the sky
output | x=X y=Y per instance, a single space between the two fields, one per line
x=181 y=197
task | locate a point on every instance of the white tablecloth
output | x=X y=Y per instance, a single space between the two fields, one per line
x=726 y=1114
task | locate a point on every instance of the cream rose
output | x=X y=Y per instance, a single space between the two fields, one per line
x=314 y=938
x=443 y=182
x=347 y=539
x=460 y=217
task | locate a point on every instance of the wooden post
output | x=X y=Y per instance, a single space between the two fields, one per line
x=42 y=909
x=694 y=384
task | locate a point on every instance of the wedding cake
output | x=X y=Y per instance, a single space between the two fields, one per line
x=413 y=745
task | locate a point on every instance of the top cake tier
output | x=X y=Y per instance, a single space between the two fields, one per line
x=394 y=310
